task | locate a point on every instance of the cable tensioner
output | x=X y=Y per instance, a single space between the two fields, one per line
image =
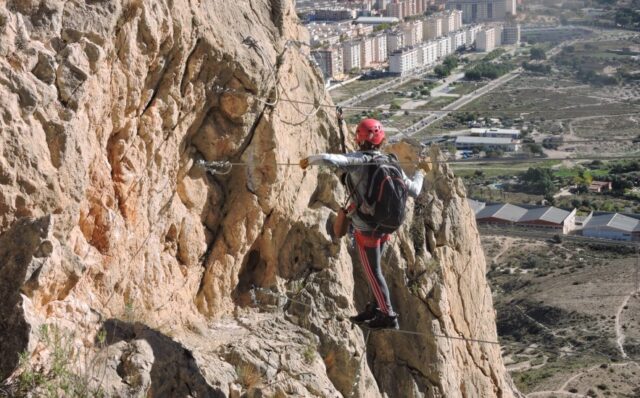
x=222 y=167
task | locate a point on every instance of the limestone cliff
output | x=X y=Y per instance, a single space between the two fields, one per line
x=145 y=263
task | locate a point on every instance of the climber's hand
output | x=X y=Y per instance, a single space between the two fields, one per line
x=304 y=163
x=425 y=164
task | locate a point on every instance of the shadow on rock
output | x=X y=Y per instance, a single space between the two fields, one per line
x=173 y=370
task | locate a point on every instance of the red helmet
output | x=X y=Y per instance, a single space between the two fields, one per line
x=369 y=130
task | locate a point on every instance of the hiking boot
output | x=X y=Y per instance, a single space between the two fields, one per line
x=384 y=321
x=370 y=311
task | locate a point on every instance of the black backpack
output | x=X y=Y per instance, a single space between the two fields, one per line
x=383 y=206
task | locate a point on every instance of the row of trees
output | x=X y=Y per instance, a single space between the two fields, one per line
x=487 y=70
x=537 y=68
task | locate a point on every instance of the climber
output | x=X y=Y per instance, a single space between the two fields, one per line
x=373 y=177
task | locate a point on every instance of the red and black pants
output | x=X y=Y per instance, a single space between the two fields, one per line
x=370 y=246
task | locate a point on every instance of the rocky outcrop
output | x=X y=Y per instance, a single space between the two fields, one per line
x=168 y=279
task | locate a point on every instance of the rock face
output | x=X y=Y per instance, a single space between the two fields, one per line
x=175 y=281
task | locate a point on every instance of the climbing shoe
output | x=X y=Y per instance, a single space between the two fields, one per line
x=368 y=314
x=383 y=321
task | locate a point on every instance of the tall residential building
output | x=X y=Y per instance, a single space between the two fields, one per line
x=471 y=33
x=330 y=61
x=412 y=32
x=448 y=23
x=409 y=8
x=444 y=47
x=427 y=53
x=511 y=7
x=396 y=10
x=381 y=4
x=479 y=10
x=457 y=19
x=403 y=61
x=511 y=34
x=458 y=39
x=366 y=52
x=395 y=41
x=431 y=28
x=421 y=6
x=351 y=55
x=498 y=35
x=486 y=40
x=380 y=48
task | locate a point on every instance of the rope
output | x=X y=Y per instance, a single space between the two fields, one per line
x=334 y=316
x=223 y=167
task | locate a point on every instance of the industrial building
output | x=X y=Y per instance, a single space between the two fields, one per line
x=487 y=143
x=493 y=132
x=612 y=226
x=546 y=217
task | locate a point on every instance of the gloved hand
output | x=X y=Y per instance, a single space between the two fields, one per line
x=304 y=163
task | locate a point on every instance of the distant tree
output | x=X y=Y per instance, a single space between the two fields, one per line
x=535 y=149
x=539 y=181
x=442 y=71
x=551 y=200
x=537 y=53
x=450 y=62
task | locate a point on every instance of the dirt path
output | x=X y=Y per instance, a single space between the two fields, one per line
x=620 y=336
x=508 y=242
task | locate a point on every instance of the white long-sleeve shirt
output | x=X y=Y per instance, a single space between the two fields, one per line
x=354 y=164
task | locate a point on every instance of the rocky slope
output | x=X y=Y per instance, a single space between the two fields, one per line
x=157 y=277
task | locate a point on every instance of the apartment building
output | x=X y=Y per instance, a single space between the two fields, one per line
x=396 y=10
x=457 y=19
x=431 y=28
x=395 y=41
x=443 y=46
x=412 y=32
x=498 y=35
x=366 y=52
x=471 y=33
x=330 y=61
x=448 y=23
x=351 y=55
x=403 y=61
x=427 y=53
x=511 y=34
x=458 y=39
x=486 y=40
x=380 y=48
